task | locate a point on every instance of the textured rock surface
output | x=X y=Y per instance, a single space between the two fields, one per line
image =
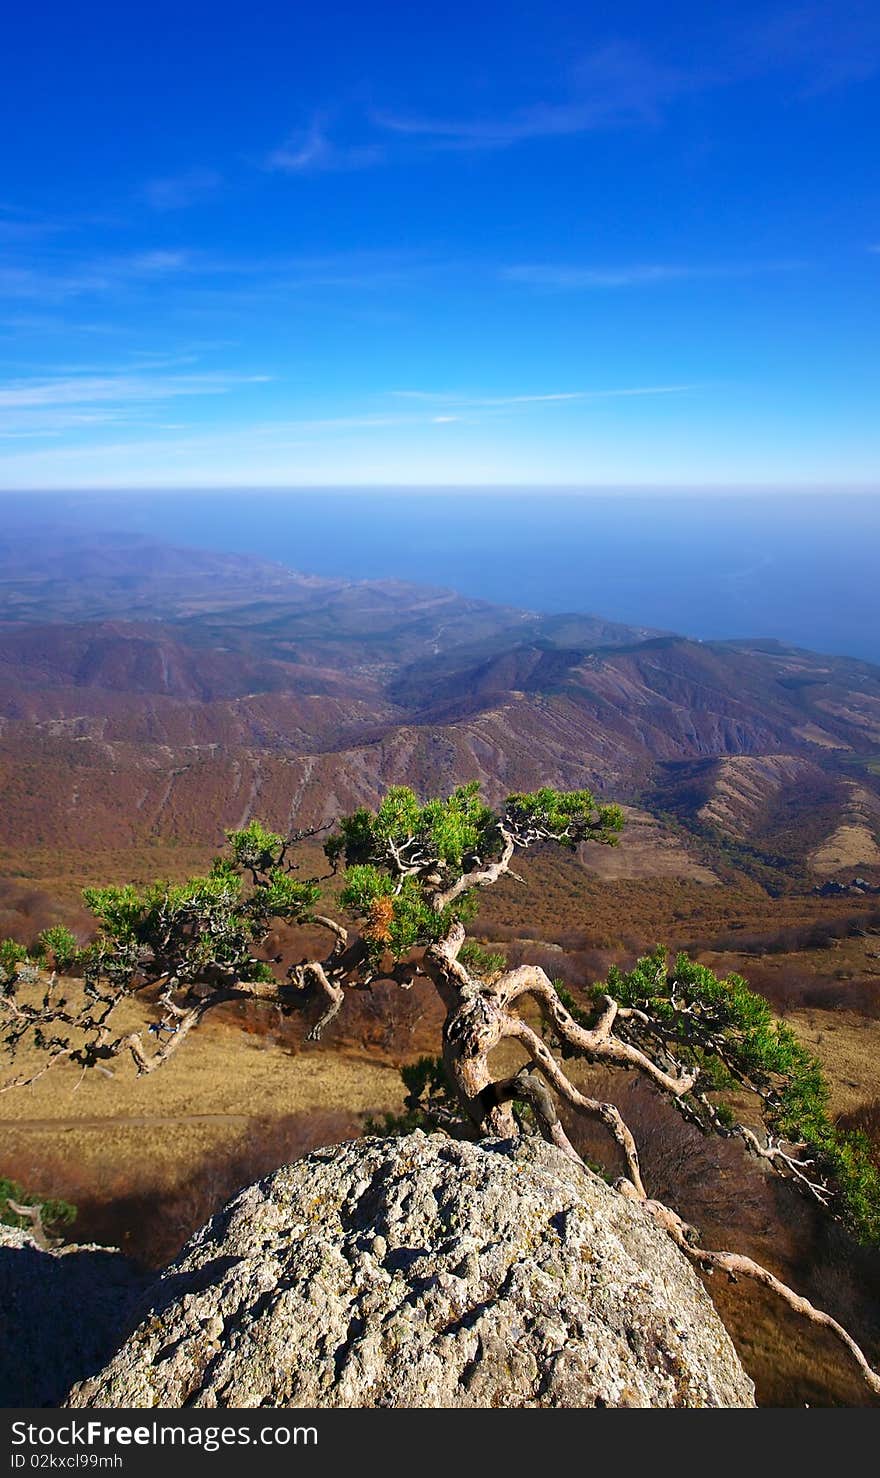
x=422 y=1272
x=62 y=1313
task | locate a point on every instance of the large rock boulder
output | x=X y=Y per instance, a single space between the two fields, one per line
x=423 y=1272
x=62 y=1313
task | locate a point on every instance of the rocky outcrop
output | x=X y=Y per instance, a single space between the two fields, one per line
x=62 y=1313
x=422 y=1272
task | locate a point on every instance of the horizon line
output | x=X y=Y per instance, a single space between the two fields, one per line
x=587 y=489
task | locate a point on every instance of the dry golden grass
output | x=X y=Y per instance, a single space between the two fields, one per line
x=646 y=850
x=852 y=845
x=848 y=1047
x=96 y=1139
x=222 y=1071
x=791 y=1362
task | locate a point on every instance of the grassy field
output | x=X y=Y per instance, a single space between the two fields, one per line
x=132 y=1152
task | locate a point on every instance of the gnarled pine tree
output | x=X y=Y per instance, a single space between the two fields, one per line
x=407 y=876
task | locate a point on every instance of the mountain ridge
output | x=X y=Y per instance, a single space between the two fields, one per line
x=255 y=690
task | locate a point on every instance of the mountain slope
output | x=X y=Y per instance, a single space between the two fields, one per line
x=255 y=690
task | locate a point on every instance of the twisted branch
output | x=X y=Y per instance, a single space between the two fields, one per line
x=736 y=1265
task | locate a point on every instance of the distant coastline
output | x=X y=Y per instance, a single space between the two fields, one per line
x=801 y=569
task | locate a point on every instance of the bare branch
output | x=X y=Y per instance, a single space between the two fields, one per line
x=517 y=1028
x=736 y=1265
x=480 y=877
x=527 y=1086
x=34 y=1215
x=337 y=929
x=596 y=1044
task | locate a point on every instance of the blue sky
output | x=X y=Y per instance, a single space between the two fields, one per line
x=486 y=243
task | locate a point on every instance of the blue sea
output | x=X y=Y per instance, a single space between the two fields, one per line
x=804 y=569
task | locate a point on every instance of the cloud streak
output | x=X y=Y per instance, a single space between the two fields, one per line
x=820 y=46
x=312 y=151
x=570 y=277
x=616 y=86
x=118 y=389
x=463 y=399
x=254 y=439
x=831 y=45
x=56 y=280
x=76 y=403
x=212 y=280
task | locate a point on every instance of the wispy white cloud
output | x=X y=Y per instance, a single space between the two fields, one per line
x=19 y=223
x=19 y=227
x=119 y=389
x=826 y=43
x=311 y=151
x=454 y=397
x=562 y=277
x=153 y=263
x=816 y=46
x=489 y=402
x=356 y=269
x=77 y=403
x=74 y=406
x=18 y=282
x=15 y=324
x=39 y=423
x=255 y=440
x=56 y=279
x=176 y=192
x=329 y=424
x=611 y=87
x=136 y=363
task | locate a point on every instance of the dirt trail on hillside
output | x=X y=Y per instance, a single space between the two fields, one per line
x=230 y=1097
x=129 y=1121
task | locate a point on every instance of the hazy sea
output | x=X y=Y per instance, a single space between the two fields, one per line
x=803 y=568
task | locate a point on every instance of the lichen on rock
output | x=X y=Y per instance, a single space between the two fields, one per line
x=424 y=1272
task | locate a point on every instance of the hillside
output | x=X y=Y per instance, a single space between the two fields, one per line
x=149 y=694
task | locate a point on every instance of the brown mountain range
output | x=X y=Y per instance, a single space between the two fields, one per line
x=150 y=692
